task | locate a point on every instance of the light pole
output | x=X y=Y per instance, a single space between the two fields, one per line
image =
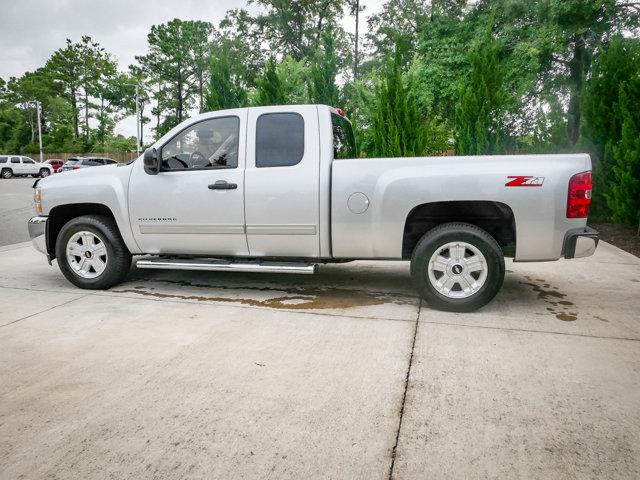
x=38 y=106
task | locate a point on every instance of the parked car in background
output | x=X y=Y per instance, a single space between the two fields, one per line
x=18 y=166
x=76 y=163
x=55 y=163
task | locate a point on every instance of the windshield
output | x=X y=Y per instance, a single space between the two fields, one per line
x=344 y=143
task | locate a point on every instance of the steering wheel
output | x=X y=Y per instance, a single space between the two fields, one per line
x=168 y=161
x=197 y=159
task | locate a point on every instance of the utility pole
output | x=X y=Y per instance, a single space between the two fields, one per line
x=38 y=106
x=138 y=121
x=355 y=60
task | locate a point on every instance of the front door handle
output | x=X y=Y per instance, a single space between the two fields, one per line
x=223 y=185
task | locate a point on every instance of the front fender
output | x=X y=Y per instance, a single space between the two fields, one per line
x=107 y=186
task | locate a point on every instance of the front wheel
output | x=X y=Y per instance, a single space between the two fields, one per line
x=457 y=267
x=91 y=253
x=44 y=172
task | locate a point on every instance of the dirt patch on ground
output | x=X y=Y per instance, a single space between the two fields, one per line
x=622 y=237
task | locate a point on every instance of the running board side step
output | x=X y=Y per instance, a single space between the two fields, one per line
x=216 y=265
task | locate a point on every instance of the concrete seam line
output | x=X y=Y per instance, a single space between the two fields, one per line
x=404 y=394
x=526 y=330
x=44 y=311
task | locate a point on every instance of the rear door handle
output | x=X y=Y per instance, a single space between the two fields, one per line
x=223 y=185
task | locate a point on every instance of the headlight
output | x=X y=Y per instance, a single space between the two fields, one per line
x=37 y=200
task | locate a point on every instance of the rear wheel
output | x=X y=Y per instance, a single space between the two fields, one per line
x=457 y=267
x=44 y=172
x=91 y=253
x=6 y=173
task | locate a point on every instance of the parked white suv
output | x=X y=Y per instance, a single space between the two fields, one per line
x=15 y=166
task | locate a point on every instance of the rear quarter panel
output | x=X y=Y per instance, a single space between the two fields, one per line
x=395 y=186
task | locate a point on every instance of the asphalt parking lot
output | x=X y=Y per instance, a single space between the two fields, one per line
x=16 y=207
x=345 y=374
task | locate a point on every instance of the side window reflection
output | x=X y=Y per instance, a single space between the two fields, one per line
x=208 y=144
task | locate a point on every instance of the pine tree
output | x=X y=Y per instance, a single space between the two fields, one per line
x=270 y=91
x=479 y=120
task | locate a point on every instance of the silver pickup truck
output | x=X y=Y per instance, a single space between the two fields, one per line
x=280 y=189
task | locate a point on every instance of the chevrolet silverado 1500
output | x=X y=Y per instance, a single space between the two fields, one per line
x=280 y=189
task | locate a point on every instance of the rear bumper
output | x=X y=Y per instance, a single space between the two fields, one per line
x=580 y=242
x=37 y=231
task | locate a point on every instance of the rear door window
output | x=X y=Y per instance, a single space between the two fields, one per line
x=3 y=159
x=279 y=139
x=15 y=159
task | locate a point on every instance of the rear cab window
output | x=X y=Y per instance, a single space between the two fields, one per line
x=279 y=139
x=344 y=143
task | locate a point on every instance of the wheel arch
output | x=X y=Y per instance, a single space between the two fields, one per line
x=61 y=214
x=496 y=218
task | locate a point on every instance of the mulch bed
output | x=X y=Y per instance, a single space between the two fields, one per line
x=622 y=237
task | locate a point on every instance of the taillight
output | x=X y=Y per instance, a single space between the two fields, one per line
x=75 y=168
x=579 y=197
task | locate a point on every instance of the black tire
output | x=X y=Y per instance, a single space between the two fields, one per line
x=6 y=173
x=457 y=232
x=44 y=172
x=118 y=256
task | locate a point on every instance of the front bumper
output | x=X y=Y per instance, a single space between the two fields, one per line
x=37 y=231
x=580 y=242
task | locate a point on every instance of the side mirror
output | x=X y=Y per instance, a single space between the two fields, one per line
x=151 y=161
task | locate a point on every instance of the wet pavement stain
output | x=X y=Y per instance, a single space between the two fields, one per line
x=294 y=298
x=304 y=290
x=542 y=293
x=558 y=308
x=567 y=317
x=601 y=319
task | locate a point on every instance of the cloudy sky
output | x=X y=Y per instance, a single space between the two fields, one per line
x=32 y=30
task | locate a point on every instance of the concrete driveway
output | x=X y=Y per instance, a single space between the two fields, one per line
x=341 y=375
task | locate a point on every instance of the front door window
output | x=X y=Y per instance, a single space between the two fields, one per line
x=210 y=144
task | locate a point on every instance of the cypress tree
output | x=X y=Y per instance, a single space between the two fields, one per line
x=323 y=88
x=270 y=90
x=603 y=118
x=479 y=123
x=624 y=193
x=397 y=130
x=223 y=90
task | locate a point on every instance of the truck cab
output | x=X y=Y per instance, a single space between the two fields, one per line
x=243 y=182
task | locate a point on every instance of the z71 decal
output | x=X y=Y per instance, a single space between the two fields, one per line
x=524 y=181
